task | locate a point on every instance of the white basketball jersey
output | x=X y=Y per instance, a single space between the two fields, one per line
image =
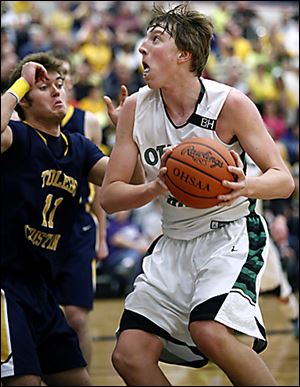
x=154 y=130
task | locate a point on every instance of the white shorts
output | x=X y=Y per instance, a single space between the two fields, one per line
x=213 y=277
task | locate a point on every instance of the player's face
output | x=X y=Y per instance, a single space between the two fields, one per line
x=47 y=98
x=159 y=57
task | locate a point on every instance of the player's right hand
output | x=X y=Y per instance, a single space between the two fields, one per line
x=161 y=177
x=33 y=72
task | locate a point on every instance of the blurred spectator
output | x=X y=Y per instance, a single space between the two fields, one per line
x=274 y=119
x=97 y=51
x=123 y=19
x=289 y=28
x=256 y=56
x=241 y=46
x=94 y=102
x=38 y=41
x=82 y=80
x=262 y=85
x=229 y=68
x=59 y=41
x=275 y=281
x=127 y=245
x=221 y=16
x=148 y=218
x=245 y=17
x=281 y=236
x=121 y=74
x=9 y=59
x=61 y=18
x=291 y=141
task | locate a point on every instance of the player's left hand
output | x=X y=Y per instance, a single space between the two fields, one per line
x=239 y=186
x=102 y=251
x=111 y=110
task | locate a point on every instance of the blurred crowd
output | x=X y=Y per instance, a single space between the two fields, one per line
x=256 y=55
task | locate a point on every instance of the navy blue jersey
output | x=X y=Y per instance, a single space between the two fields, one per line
x=41 y=189
x=73 y=122
x=77 y=267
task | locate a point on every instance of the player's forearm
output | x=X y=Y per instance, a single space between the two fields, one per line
x=11 y=98
x=273 y=184
x=8 y=104
x=119 y=196
x=100 y=213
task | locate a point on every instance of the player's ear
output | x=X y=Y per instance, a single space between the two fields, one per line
x=25 y=102
x=183 y=56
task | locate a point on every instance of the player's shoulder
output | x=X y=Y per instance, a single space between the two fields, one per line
x=238 y=102
x=20 y=128
x=131 y=99
x=74 y=137
x=17 y=124
x=129 y=104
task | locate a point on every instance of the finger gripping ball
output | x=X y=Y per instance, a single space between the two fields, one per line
x=195 y=171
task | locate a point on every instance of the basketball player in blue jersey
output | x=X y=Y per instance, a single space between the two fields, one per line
x=88 y=239
x=200 y=282
x=43 y=173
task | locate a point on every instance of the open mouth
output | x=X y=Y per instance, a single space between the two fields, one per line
x=146 y=69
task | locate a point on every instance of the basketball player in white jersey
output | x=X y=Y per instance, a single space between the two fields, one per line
x=200 y=280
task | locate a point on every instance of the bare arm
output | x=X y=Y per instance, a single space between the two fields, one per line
x=117 y=193
x=92 y=128
x=102 y=248
x=31 y=73
x=248 y=126
x=93 y=131
x=8 y=103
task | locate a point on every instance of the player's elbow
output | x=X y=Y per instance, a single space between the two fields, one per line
x=289 y=187
x=106 y=203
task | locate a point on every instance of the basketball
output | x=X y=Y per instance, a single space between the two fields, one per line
x=196 y=168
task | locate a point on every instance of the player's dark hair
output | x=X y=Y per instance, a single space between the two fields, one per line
x=50 y=63
x=191 y=30
x=62 y=56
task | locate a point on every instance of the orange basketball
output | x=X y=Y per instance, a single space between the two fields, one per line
x=196 y=168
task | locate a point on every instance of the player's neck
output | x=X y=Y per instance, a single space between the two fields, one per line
x=180 y=101
x=181 y=94
x=47 y=127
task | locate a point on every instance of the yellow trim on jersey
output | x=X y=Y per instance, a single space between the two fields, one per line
x=66 y=141
x=94 y=273
x=61 y=133
x=42 y=137
x=45 y=140
x=5 y=343
x=67 y=117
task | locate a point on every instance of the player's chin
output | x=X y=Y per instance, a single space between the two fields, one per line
x=151 y=83
x=60 y=111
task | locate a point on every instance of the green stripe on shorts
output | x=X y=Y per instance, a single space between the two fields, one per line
x=246 y=281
